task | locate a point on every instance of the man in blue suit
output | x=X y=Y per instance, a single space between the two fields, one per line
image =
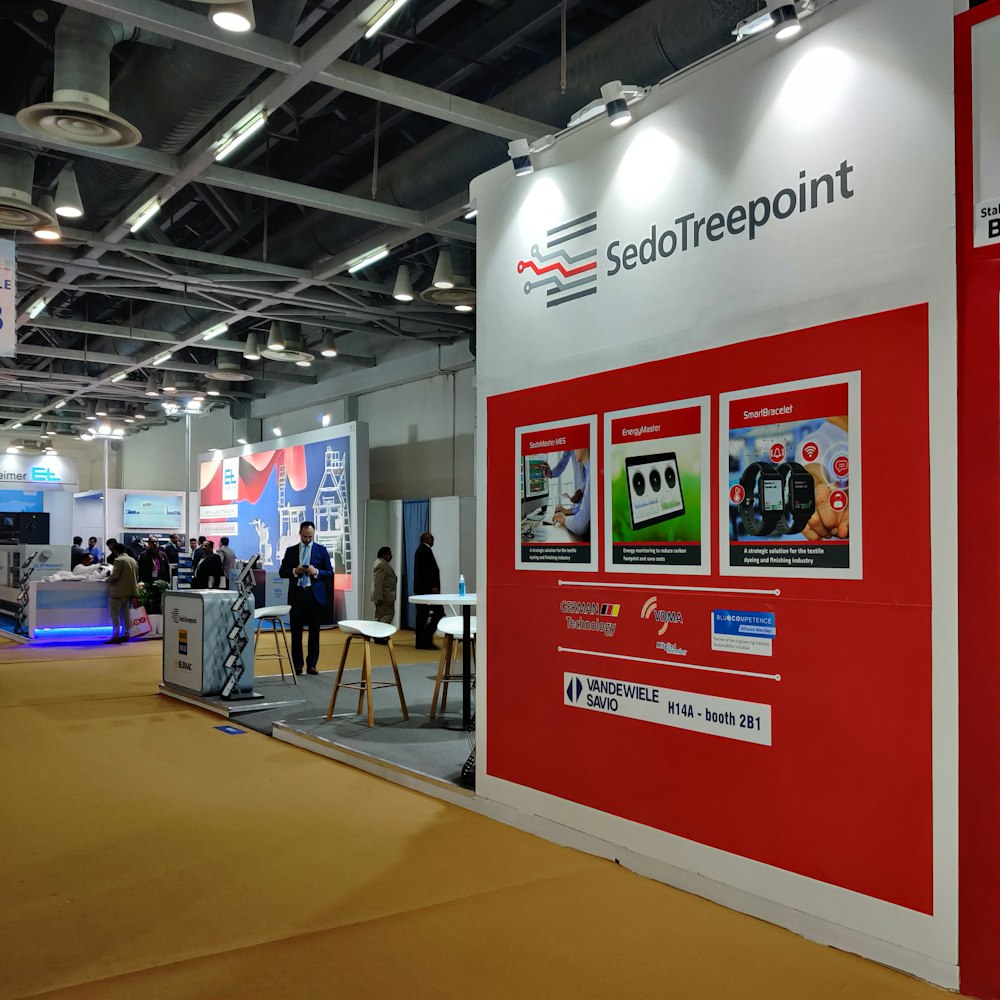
x=307 y=567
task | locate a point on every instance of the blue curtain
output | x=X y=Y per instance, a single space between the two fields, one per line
x=416 y=518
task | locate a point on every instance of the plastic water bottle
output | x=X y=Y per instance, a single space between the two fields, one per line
x=461 y=585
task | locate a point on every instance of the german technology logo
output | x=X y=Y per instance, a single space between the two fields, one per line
x=566 y=272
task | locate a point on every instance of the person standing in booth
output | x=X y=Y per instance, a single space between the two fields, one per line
x=384 y=589
x=153 y=563
x=426 y=580
x=307 y=567
x=123 y=585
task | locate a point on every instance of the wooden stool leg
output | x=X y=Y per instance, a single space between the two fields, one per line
x=280 y=626
x=340 y=674
x=442 y=661
x=368 y=682
x=399 y=683
x=453 y=647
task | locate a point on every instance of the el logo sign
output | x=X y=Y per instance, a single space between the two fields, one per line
x=39 y=474
x=229 y=477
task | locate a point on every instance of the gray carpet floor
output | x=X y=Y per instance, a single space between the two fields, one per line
x=420 y=744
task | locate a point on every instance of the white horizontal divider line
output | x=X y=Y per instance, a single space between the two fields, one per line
x=662 y=586
x=669 y=663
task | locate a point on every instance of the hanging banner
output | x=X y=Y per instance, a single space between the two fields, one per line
x=8 y=299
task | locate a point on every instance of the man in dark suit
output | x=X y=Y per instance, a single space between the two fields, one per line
x=172 y=548
x=426 y=580
x=153 y=563
x=209 y=574
x=307 y=567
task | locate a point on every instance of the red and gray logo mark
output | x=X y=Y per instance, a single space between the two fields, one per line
x=564 y=275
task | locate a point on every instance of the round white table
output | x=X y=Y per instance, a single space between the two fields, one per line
x=466 y=602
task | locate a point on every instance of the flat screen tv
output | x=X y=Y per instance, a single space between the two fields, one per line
x=145 y=510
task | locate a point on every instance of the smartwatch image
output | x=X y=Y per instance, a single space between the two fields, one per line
x=763 y=503
x=799 y=495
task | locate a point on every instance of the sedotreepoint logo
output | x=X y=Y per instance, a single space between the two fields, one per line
x=567 y=270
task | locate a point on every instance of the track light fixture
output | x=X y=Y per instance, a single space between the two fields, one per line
x=68 y=203
x=48 y=230
x=783 y=18
x=444 y=276
x=403 y=290
x=234 y=16
x=520 y=156
x=616 y=104
x=250 y=350
x=329 y=349
x=786 y=22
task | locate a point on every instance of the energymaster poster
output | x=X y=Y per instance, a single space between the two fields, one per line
x=656 y=460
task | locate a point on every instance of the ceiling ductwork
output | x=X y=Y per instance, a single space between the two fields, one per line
x=80 y=109
x=17 y=169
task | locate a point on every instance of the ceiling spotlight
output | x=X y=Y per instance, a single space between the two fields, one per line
x=444 y=277
x=141 y=216
x=48 y=230
x=786 y=21
x=241 y=440
x=382 y=16
x=240 y=133
x=403 y=291
x=151 y=389
x=369 y=257
x=234 y=16
x=199 y=395
x=326 y=420
x=520 y=155
x=471 y=213
x=276 y=431
x=68 y=203
x=139 y=415
x=91 y=411
x=329 y=348
x=215 y=331
x=169 y=382
x=276 y=337
x=615 y=104
x=101 y=409
x=250 y=350
x=47 y=431
x=463 y=307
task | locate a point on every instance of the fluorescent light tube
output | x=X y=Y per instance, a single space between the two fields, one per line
x=36 y=308
x=388 y=11
x=364 y=260
x=215 y=331
x=240 y=134
x=144 y=215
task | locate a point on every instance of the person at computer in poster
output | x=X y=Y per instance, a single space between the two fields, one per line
x=556 y=495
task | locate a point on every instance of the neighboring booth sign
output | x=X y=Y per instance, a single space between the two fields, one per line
x=8 y=299
x=38 y=471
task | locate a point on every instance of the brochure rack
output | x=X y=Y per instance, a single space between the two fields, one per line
x=234 y=665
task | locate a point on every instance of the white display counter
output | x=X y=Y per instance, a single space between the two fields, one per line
x=196 y=626
x=64 y=607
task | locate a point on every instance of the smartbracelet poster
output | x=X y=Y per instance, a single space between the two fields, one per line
x=556 y=495
x=656 y=512
x=791 y=479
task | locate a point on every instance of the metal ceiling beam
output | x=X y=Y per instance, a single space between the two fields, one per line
x=272 y=54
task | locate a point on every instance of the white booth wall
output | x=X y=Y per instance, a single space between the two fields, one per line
x=868 y=85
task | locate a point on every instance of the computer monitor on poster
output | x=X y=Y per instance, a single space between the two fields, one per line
x=534 y=483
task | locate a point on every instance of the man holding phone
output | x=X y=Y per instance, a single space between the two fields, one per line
x=307 y=567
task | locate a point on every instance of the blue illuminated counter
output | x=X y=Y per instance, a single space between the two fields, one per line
x=68 y=607
x=196 y=625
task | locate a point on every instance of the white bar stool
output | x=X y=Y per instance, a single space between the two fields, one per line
x=367 y=631
x=452 y=628
x=274 y=614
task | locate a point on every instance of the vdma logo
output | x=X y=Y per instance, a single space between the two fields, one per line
x=567 y=270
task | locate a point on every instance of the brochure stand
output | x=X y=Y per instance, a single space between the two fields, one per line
x=21 y=614
x=234 y=665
